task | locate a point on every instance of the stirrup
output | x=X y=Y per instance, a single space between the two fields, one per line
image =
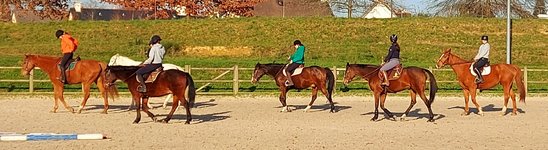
x=142 y=89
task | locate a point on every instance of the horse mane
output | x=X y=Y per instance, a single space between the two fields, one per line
x=365 y=65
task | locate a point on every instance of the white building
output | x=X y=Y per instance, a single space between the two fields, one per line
x=380 y=11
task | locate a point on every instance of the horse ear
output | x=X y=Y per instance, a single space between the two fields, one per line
x=347 y=64
x=449 y=50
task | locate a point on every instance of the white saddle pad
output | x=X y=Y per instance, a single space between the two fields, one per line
x=296 y=72
x=486 y=70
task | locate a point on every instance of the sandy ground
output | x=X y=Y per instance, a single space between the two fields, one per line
x=256 y=123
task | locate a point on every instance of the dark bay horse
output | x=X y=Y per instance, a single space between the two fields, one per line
x=174 y=82
x=316 y=77
x=503 y=74
x=85 y=72
x=413 y=78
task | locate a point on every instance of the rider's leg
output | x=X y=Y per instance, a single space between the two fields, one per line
x=63 y=66
x=290 y=68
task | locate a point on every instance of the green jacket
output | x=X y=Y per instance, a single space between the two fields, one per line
x=298 y=56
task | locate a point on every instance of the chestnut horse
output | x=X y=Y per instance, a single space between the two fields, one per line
x=174 y=82
x=316 y=77
x=85 y=72
x=413 y=78
x=503 y=74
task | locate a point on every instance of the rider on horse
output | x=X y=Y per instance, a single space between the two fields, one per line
x=295 y=60
x=68 y=46
x=482 y=58
x=391 y=60
x=154 y=61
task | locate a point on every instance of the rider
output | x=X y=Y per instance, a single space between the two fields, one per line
x=68 y=46
x=391 y=60
x=154 y=61
x=482 y=58
x=295 y=61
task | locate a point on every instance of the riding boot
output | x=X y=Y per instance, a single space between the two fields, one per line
x=479 y=77
x=142 y=88
x=289 y=81
x=63 y=77
x=385 y=79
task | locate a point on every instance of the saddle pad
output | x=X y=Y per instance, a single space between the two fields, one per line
x=296 y=72
x=486 y=70
x=70 y=67
x=152 y=76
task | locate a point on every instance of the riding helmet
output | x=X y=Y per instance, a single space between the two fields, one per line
x=484 y=37
x=297 y=42
x=394 y=38
x=155 y=39
x=59 y=33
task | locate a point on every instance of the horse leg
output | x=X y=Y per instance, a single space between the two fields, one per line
x=137 y=100
x=328 y=96
x=187 y=108
x=103 y=93
x=174 y=105
x=62 y=99
x=86 y=88
x=505 y=107
x=515 y=108
x=170 y=96
x=131 y=105
x=283 y=97
x=55 y=100
x=386 y=111
x=428 y=104
x=314 y=96
x=473 y=95
x=377 y=95
x=413 y=102
x=145 y=109
x=466 y=99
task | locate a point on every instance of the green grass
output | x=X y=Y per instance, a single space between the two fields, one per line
x=329 y=42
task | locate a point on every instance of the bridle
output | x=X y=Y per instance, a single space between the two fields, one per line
x=114 y=83
x=26 y=66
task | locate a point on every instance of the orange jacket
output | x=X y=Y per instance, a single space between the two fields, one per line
x=68 y=44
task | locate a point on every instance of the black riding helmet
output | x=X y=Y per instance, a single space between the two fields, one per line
x=297 y=42
x=393 y=38
x=155 y=39
x=58 y=33
x=485 y=37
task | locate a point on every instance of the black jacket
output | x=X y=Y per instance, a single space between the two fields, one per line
x=393 y=52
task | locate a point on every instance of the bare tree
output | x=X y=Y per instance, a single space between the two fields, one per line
x=52 y=9
x=540 y=7
x=349 y=7
x=481 y=8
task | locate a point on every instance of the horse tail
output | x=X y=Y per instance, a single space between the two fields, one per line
x=330 y=82
x=521 y=86
x=433 y=86
x=111 y=90
x=191 y=90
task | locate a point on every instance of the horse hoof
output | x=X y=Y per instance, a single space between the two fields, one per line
x=104 y=112
x=481 y=114
x=464 y=114
x=53 y=111
x=430 y=120
x=187 y=122
x=135 y=122
x=514 y=114
x=374 y=119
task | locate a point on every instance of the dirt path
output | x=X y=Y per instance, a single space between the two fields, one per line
x=256 y=123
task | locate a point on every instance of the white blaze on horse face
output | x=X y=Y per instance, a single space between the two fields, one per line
x=437 y=63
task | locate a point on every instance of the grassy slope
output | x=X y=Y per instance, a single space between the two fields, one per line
x=329 y=41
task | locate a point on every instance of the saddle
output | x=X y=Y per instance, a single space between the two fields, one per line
x=151 y=77
x=485 y=70
x=70 y=64
x=295 y=72
x=394 y=73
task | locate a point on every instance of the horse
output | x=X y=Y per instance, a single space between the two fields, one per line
x=316 y=77
x=119 y=60
x=412 y=78
x=503 y=74
x=174 y=82
x=85 y=72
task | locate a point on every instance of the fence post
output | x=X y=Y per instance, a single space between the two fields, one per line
x=187 y=69
x=31 y=81
x=335 y=78
x=525 y=79
x=235 y=85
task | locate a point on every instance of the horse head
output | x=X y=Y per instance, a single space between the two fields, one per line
x=259 y=71
x=444 y=58
x=349 y=73
x=28 y=65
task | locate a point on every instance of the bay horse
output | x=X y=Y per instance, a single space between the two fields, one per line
x=174 y=82
x=503 y=74
x=119 y=60
x=412 y=78
x=85 y=72
x=316 y=77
